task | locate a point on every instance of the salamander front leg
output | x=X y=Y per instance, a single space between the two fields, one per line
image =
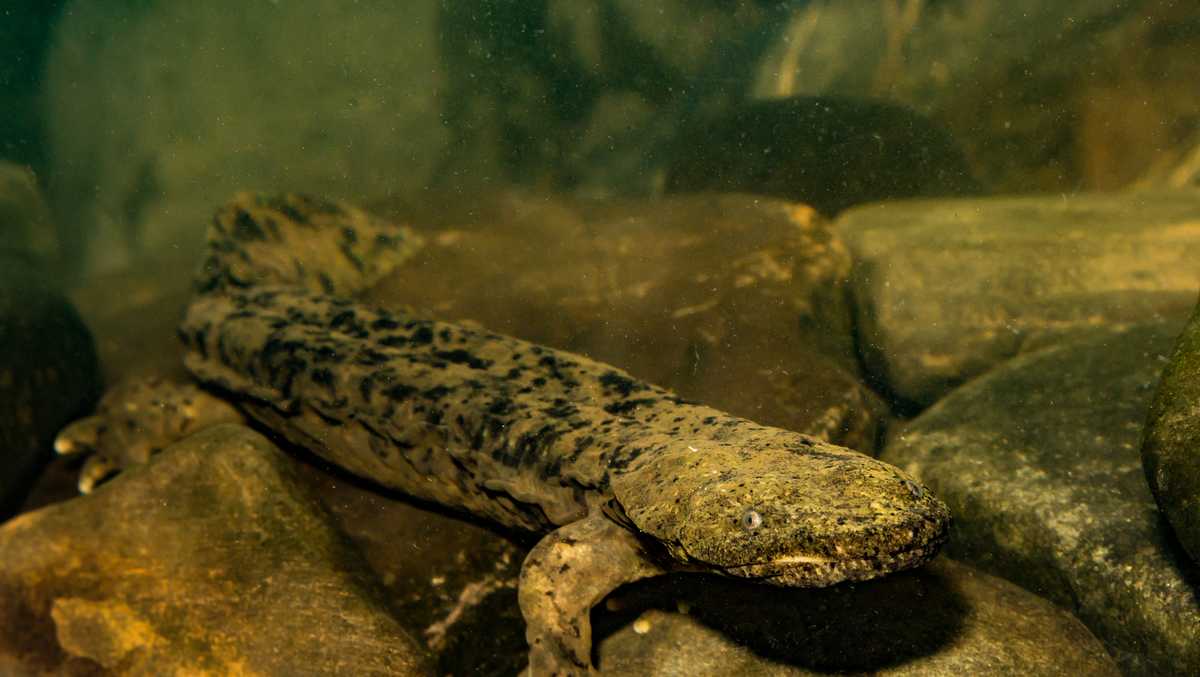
x=137 y=419
x=564 y=576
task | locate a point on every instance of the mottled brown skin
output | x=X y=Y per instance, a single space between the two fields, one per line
x=626 y=479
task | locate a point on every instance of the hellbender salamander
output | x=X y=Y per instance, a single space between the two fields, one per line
x=625 y=479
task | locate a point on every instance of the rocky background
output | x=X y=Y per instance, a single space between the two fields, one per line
x=689 y=190
x=140 y=116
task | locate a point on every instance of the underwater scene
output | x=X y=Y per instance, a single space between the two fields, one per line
x=574 y=337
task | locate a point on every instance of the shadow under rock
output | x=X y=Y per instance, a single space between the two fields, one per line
x=859 y=627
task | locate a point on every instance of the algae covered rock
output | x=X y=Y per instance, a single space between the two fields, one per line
x=210 y=559
x=1038 y=461
x=1171 y=446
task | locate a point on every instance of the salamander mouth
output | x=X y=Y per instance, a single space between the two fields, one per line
x=816 y=571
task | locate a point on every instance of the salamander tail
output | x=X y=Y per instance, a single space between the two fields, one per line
x=324 y=246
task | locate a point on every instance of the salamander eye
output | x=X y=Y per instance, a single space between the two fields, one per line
x=750 y=520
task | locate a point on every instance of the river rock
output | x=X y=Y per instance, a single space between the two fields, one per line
x=1038 y=461
x=210 y=559
x=947 y=290
x=1171 y=444
x=735 y=301
x=943 y=619
x=48 y=373
x=827 y=152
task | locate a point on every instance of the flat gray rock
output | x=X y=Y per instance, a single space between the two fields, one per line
x=947 y=290
x=1171 y=444
x=1039 y=463
x=212 y=559
x=943 y=619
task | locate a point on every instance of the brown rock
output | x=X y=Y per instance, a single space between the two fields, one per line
x=735 y=301
x=210 y=559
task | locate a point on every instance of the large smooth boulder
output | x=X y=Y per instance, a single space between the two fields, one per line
x=1039 y=462
x=947 y=290
x=213 y=558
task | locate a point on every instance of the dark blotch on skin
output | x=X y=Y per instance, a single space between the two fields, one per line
x=399 y=392
x=627 y=407
x=463 y=357
x=624 y=385
x=323 y=377
x=246 y=229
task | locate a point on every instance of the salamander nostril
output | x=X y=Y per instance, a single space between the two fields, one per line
x=913 y=488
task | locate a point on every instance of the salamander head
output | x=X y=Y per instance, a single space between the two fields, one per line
x=790 y=510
